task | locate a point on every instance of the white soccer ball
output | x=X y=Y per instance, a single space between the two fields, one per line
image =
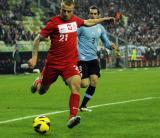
x=41 y=124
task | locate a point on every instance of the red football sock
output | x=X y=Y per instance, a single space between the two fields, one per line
x=74 y=104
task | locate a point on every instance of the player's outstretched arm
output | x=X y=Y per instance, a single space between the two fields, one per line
x=91 y=22
x=107 y=43
x=33 y=61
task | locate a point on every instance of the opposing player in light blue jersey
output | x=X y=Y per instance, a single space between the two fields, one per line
x=87 y=49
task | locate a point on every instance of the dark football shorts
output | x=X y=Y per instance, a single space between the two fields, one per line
x=88 y=68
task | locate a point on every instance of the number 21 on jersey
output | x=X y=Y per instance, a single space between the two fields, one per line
x=63 y=37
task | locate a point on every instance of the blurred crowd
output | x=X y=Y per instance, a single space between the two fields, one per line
x=137 y=23
x=11 y=21
x=137 y=20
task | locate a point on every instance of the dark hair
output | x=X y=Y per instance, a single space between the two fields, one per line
x=93 y=7
x=68 y=2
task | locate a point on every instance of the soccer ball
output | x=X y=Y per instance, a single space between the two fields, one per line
x=41 y=124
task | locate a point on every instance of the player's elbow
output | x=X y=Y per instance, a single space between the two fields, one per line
x=88 y=23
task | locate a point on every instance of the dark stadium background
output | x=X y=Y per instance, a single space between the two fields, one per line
x=137 y=26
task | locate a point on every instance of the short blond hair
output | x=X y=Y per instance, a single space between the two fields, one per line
x=68 y=2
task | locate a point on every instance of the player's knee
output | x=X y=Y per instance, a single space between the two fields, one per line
x=84 y=85
x=75 y=86
x=93 y=82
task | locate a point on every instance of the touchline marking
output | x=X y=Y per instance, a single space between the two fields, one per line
x=27 y=117
x=148 y=98
x=58 y=112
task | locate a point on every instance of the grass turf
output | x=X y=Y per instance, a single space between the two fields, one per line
x=138 y=119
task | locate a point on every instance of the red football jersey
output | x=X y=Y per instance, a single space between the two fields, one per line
x=63 y=35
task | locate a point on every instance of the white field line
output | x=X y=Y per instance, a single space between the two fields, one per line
x=58 y=112
x=32 y=116
x=107 y=104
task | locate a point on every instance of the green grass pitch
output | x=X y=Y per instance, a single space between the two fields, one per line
x=126 y=105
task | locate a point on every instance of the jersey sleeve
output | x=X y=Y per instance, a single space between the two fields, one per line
x=104 y=38
x=80 y=22
x=48 y=29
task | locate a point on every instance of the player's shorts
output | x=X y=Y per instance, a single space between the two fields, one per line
x=88 y=68
x=51 y=73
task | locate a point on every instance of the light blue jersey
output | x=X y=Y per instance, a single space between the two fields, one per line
x=88 y=40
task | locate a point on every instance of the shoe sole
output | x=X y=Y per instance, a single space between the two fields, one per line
x=87 y=110
x=76 y=122
x=33 y=89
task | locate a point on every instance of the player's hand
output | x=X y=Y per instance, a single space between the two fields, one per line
x=110 y=19
x=32 y=62
x=114 y=46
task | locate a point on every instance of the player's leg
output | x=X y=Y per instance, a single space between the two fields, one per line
x=85 y=82
x=94 y=72
x=37 y=82
x=48 y=76
x=74 y=85
x=89 y=93
x=72 y=77
x=82 y=66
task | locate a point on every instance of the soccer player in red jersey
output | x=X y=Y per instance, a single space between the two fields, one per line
x=62 y=56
